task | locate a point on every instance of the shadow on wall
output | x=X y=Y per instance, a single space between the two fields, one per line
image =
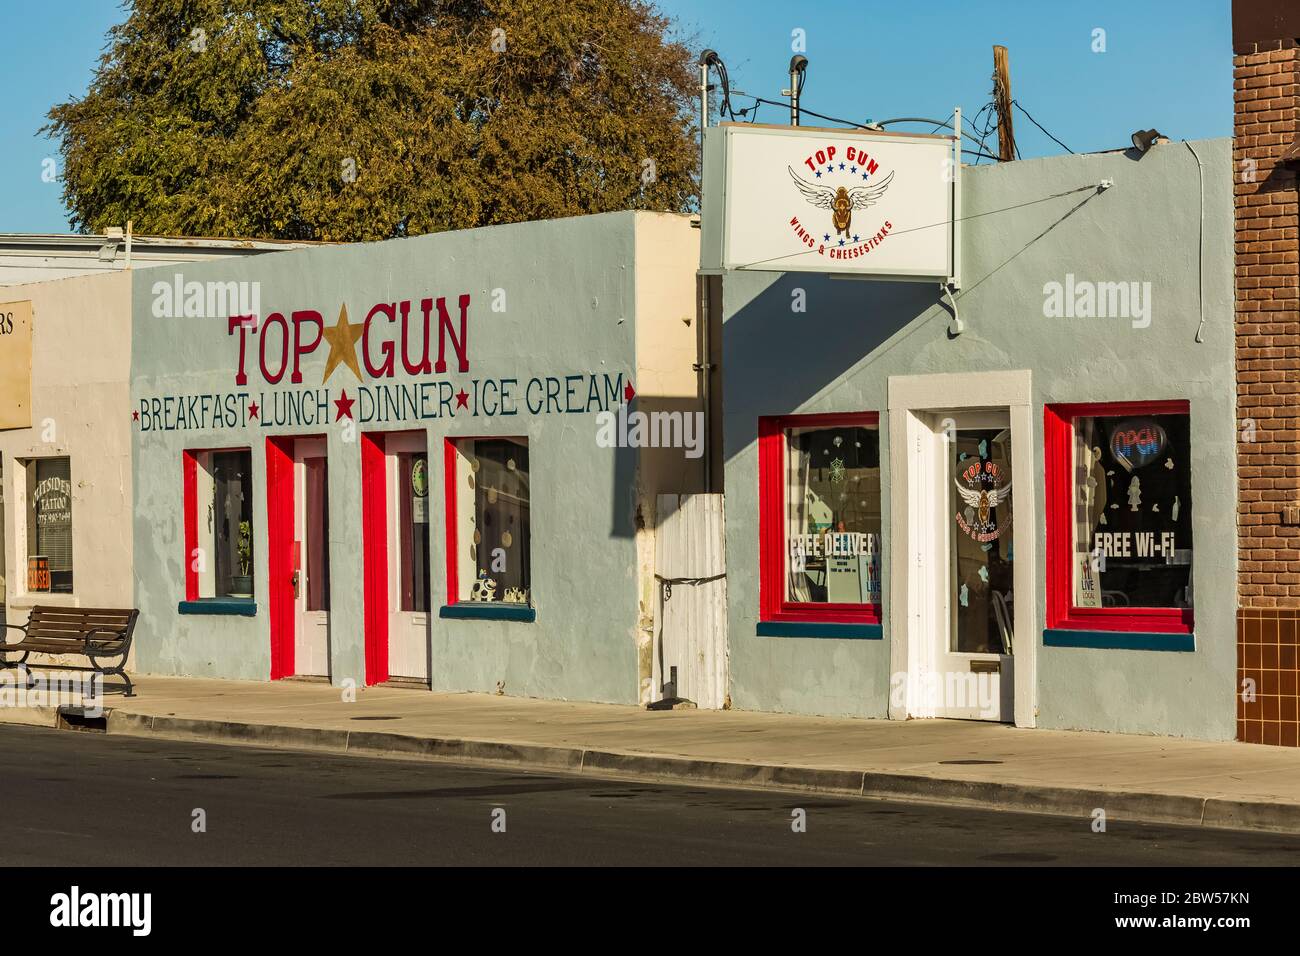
x=777 y=359
x=665 y=436
x=801 y=332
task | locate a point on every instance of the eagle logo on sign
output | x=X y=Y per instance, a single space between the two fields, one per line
x=841 y=202
x=984 y=500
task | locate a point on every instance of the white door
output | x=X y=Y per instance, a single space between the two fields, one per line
x=973 y=634
x=689 y=659
x=311 y=558
x=409 y=514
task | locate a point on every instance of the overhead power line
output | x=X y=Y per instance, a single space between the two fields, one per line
x=1016 y=104
x=979 y=136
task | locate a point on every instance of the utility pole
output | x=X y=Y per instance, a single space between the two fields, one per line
x=1002 y=103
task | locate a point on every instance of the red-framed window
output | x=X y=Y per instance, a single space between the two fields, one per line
x=488 y=521
x=220 y=539
x=1119 y=516
x=819 y=518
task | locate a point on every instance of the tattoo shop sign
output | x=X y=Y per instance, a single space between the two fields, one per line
x=406 y=361
x=833 y=201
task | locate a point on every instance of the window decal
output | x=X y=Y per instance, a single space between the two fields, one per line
x=1119 y=500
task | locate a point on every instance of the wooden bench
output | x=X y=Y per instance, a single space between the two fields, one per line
x=99 y=634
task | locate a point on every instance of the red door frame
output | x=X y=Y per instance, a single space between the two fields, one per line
x=449 y=454
x=374 y=551
x=279 y=554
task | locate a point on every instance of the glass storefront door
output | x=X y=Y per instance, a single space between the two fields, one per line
x=979 y=541
x=975 y=634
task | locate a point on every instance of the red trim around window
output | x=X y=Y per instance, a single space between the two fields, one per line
x=1058 y=433
x=190 y=506
x=771 y=525
x=190 y=510
x=449 y=483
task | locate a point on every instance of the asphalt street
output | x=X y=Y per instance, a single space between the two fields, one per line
x=75 y=798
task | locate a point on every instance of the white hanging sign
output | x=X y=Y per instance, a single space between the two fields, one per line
x=797 y=199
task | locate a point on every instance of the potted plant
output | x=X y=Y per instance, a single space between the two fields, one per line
x=241 y=584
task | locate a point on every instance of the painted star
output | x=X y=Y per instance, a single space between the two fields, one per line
x=841 y=165
x=343 y=345
x=252 y=410
x=344 y=405
x=819 y=174
x=865 y=175
x=856 y=239
x=628 y=392
x=853 y=169
x=135 y=416
x=462 y=399
x=826 y=237
x=830 y=168
x=841 y=242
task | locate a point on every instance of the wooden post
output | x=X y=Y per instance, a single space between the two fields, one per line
x=1002 y=103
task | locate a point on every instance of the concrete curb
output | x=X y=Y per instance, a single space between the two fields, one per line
x=726 y=773
x=371 y=743
x=1251 y=815
x=30 y=716
x=228 y=732
x=1080 y=803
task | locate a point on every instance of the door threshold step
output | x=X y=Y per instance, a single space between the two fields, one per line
x=412 y=683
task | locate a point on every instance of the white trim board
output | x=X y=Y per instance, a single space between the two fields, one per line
x=908 y=618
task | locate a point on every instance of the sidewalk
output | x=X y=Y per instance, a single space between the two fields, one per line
x=992 y=766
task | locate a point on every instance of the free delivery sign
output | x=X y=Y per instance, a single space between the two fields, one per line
x=796 y=199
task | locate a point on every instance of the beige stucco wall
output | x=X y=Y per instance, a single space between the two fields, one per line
x=667 y=258
x=81 y=358
x=667 y=344
x=667 y=349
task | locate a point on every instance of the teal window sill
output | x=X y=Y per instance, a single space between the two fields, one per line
x=243 y=607
x=866 y=632
x=1118 y=640
x=475 y=611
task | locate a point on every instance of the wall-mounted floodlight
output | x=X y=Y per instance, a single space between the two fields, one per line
x=1144 y=139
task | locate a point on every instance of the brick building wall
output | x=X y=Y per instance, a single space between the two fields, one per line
x=1266 y=83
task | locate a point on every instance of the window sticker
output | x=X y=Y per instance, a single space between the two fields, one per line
x=1132 y=492
x=832 y=521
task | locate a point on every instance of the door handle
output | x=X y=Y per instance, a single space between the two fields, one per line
x=295 y=584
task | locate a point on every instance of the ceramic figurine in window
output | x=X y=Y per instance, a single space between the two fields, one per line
x=241 y=584
x=820 y=515
x=516 y=596
x=484 y=589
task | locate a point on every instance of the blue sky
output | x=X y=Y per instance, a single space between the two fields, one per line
x=1167 y=64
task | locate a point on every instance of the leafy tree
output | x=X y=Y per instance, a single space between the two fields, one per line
x=353 y=120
